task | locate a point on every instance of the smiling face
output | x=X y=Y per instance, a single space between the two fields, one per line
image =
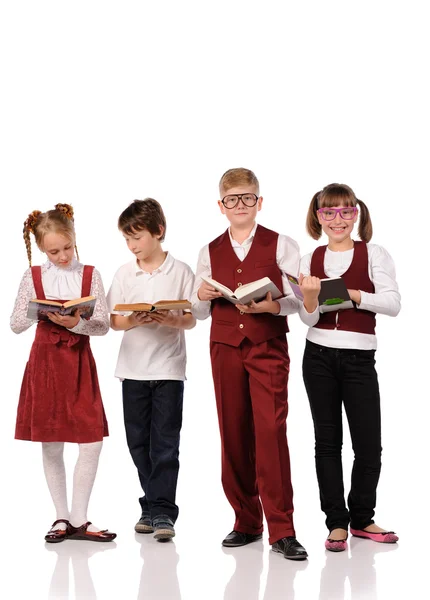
x=339 y=229
x=241 y=216
x=59 y=248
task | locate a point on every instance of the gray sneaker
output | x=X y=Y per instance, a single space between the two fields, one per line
x=144 y=524
x=163 y=528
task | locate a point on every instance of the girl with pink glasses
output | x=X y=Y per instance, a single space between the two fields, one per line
x=339 y=359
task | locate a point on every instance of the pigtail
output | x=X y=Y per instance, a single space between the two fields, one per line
x=29 y=227
x=365 y=229
x=67 y=210
x=313 y=226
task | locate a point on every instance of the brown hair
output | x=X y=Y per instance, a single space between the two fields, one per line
x=143 y=214
x=237 y=177
x=59 y=220
x=338 y=194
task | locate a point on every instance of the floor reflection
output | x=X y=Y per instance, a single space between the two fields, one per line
x=245 y=581
x=159 y=575
x=354 y=567
x=281 y=575
x=78 y=553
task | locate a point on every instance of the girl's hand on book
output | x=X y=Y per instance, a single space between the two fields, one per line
x=165 y=317
x=68 y=321
x=207 y=292
x=355 y=296
x=267 y=305
x=310 y=287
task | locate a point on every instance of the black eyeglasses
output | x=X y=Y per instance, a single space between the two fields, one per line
x=233 y=200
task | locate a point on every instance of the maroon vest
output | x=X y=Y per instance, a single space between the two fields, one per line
x=355 y=278
x=228 y=325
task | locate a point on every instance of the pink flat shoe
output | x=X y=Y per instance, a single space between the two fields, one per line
x=335 y=545
x=385 y=537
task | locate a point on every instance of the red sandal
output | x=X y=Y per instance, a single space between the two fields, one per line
x=82 y=533
x=57 y=535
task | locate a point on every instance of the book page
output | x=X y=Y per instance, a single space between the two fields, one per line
x=135 y=307
x=172 y=305
x=257 y=291
x=77 y=301
x=219 y=287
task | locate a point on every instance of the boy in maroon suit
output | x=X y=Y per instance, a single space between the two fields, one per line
x=250 y=365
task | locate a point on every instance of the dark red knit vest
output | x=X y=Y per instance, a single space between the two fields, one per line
x=228 y=325
x=356 y=278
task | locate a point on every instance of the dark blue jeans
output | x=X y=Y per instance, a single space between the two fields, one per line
x=334 y=377
x=153 y=420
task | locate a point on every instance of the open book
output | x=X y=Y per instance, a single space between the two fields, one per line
x=148 y=307
x=244 y=294
x=333 y=295
x=38 y=309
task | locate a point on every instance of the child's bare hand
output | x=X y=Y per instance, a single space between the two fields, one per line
x=264 y=306
x=355 y=296
x=164 y=317
x=207 y=292
x=310 y=286
x=140 y=318
x=68 y=321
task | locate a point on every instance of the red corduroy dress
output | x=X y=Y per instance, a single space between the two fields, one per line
x=60 y=399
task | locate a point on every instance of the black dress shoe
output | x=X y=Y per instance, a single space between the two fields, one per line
x=237 y=538
x=290 y=548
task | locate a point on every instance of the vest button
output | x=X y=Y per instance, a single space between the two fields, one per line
x=239 y=284
x=241 y=326
x=241 y=312
x=239 y=270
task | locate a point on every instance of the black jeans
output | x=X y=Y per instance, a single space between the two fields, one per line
x=153 y=420
x=334 y=376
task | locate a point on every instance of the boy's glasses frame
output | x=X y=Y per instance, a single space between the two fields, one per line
x=336 y=211
x=249 y=202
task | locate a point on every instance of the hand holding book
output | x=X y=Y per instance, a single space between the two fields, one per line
x=331 y=296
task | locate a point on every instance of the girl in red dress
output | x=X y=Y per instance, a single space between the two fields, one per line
x=60 y=398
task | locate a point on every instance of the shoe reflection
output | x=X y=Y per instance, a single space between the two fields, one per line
x=354 y=567
x=245 y=581
x=78 y=553
x=159 y=575
x=281 y=575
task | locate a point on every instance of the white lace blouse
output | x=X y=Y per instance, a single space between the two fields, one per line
x=65 y=284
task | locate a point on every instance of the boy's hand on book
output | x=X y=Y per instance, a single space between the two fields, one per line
x=264 y=306
x=68 y=321
x=164 y=317
x=140 y=318
x=207 y=292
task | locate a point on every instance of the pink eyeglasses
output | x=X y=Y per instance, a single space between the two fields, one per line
x=346 y=212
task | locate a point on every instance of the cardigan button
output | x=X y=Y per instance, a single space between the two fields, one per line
x=239 y=284
x=239 y=270
x=241 y=326
x=241 y=312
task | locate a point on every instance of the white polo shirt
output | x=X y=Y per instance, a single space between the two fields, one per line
x=153 y=351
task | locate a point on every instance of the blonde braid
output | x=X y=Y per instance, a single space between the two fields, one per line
x=29 y=227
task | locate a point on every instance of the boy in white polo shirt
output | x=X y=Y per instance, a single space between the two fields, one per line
x=151 y=361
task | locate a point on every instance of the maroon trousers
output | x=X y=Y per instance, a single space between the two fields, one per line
x=252 y=401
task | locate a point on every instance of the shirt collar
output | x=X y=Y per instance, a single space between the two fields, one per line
x=246 y=242
x=164 y=268
x=75 y=264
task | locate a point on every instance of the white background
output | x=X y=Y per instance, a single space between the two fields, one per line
x=105 y=102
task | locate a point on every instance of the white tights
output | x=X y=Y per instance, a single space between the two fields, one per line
x=83 y=480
